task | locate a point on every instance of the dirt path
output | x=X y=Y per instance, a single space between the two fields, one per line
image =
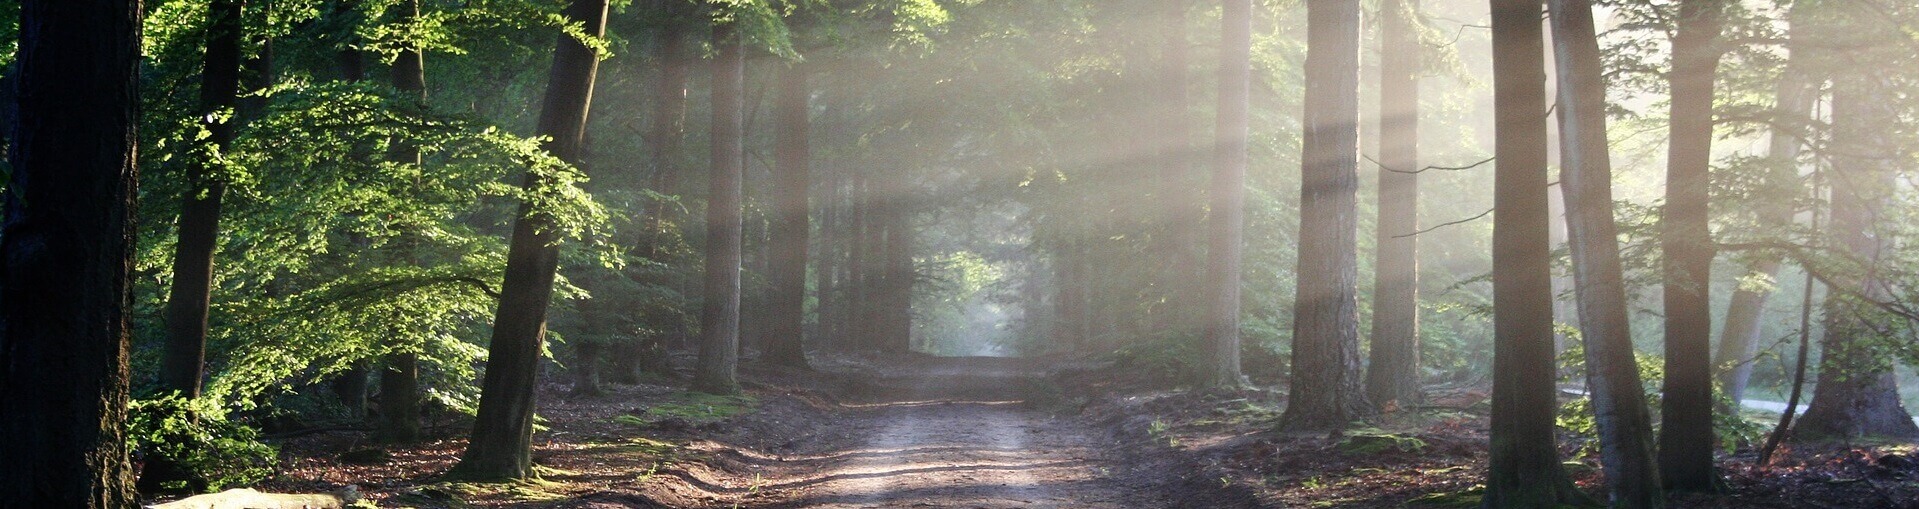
x=957 y=436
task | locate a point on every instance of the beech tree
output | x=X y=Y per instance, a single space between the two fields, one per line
x=1686 y=434
x=720 y=313
x=1585 y=177
x=191 y=295
x=66 y=256
x=400 y=381
x=1326 y=390
x=501 y=445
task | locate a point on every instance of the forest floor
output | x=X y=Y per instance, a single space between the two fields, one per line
x=915 y=431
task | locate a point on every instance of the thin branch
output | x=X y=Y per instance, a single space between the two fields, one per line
x=1428 y=168
x=1481 y=215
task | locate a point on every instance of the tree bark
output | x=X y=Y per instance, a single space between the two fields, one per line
x=1857 y=395
x=1524 y=469
x=786 y=333
x=1618 y=401
x=66 y=256
x=1327 y=391
x=501 y=444
x=1392 y=376
x=1228 y=196
x=400 y=381
x=720 y=314
x=190 y=295
x=1181 y=198
x=1686 y=436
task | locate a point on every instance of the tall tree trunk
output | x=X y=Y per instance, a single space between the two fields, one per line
x=1070 y=311
x=787 y=267
x=1392 y=376
x=352 y=385
x=1618 y=401
x=720 y=314
x=827 y=265
x=1686 y=436
x=1857 y=395
x=1228 y=195
x=199 y=229
x=859 y=263
x=664 y=139
x=1524 y=469
x=66 y=256
x=1327 y=391
x=1182 y=203
x=501 y=445
x=1739 y=339
x=400 y=381
x=897 y=318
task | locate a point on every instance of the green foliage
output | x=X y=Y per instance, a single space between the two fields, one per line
x=211 y=452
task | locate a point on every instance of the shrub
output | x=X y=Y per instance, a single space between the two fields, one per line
x=190 y=446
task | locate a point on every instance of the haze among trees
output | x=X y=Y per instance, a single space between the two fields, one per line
x=959 y=253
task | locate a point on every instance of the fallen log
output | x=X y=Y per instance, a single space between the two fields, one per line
x=247 y=498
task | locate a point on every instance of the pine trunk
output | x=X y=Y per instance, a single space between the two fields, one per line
x=501 y=445
x=1524 y=469
x=1327 y=391
x=787 y=267
x=1228 y=196
x=66 y=256
x=1392 y=377
x=190 y=296
x=720 y=313
x=1618 y=401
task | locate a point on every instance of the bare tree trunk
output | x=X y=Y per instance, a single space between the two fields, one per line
x=787 y=267
x=720 y=314
x=501 y=446
x=1182 y=202
x=1618 y=401
x=400 y=382
x=190 y=295
x=1392 y=377
x=1228 y=197
x=1686 y=436
x=1524 y=469
x=1327 y=391
x=664 y=139
x=66 y=256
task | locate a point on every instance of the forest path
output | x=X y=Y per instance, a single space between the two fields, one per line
x=956 y=434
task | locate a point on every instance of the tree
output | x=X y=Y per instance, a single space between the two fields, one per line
x=787 y=295
x=1612 y=375
x=1181 y=202
x=1228 y=197
x=720 y=313
x=1326 y=390
x=191 y=295
x=1857 y=394
x=1392 y=376
x=664 y=143
x=1686 y=435
x=1524 y=469
x=66 y=256
x=400 y=381
x=501 y=445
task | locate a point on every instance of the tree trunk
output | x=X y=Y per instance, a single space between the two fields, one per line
x=1182 y=202
x=1392 y=376
x=1524 y=469
x=1686 y=436
x=664 y=140
x=188 y=299
x=897 y=335
x=352 y=385
x=1857 y=395
x=786 y=267
x=66 y=256
x=720 y=314
x=1327 y=391
x=1228 y=196
x=1618 y=401
x=400 y=381
x=827 y=265
x=501 y=444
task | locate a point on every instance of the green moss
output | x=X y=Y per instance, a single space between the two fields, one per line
x=694 y=407
x=1373 y=441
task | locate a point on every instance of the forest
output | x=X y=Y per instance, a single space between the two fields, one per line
x=605 y=254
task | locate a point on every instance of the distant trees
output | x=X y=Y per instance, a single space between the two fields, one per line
x=501 y=445
x=1524 y=469
x=1326 y=388
x=190 y=297
x=1612 y=375
x=1392 y=375
x=791 y=226
x=720 y=313
x=1228 y=196
x=66 y=256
